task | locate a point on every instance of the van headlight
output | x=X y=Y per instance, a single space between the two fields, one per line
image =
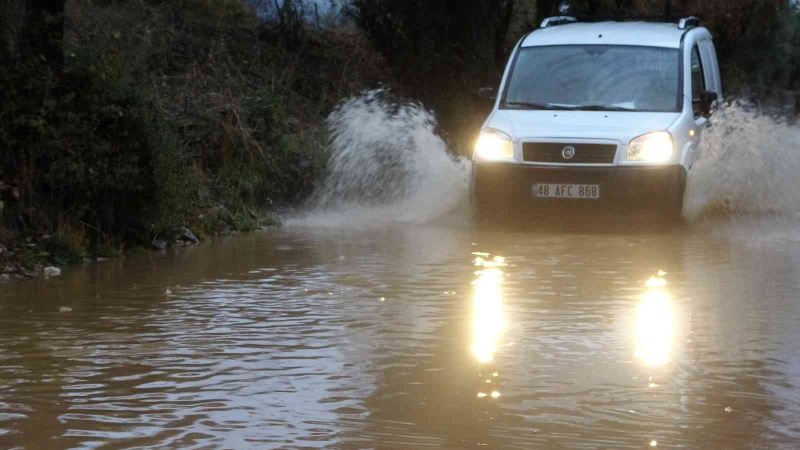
x=494 y=145
x=652 y=147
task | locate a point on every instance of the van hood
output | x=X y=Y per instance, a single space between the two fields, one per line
x=618 y=126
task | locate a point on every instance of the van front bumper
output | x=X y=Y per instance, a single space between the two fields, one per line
x=508 y=188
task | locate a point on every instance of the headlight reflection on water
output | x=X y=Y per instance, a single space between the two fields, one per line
x=488 y=319
x=655 y=326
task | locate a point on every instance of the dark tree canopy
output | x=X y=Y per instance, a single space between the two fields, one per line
x=426 y=40
x=44 y=29
x=440 y=52
x=32 y=28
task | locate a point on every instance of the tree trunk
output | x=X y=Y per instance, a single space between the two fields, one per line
x=44 y=30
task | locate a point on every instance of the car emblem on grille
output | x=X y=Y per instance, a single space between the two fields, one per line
x=568 y=152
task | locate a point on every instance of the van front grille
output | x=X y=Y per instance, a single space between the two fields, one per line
x=550 y=152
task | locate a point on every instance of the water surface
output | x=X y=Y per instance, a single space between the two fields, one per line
x=415 y=337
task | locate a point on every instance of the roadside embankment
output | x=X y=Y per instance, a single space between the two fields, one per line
x=168 y=123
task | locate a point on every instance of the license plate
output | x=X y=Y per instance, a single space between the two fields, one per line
x=586 y=191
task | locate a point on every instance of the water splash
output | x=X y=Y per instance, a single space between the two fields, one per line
x=387 y=166
x=748 y=164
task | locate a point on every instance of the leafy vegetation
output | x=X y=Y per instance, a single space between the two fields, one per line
x=163 y=114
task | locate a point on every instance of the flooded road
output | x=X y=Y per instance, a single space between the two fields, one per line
x=415 y=337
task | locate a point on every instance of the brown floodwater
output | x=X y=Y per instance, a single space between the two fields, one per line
x=415 y=337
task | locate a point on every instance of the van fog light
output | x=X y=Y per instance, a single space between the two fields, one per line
x=653 y=147
x=494 y=145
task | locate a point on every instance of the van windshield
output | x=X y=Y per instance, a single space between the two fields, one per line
x=594 y=78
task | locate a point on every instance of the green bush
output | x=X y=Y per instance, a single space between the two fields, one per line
x=167 y=113
x=76 y=145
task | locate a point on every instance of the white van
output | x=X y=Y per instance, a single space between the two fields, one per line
x=597 y=116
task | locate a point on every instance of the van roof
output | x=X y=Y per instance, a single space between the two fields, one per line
x=650 y=34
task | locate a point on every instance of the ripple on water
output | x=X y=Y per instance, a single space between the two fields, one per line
x=567 y=342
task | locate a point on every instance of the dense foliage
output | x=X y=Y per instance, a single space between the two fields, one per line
x=167 y=113
x=77 y=146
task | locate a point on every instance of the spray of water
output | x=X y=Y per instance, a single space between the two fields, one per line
x=387 y=166
x=748 y=164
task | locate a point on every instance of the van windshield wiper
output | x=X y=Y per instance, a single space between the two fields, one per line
x=568 y=107
x=603 y=108
x=547 y=106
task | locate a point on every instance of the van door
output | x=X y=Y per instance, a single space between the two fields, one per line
x=700 y=73
x=698 y=84
x=711 y=67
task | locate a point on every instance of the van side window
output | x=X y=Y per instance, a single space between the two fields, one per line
x=698 y=80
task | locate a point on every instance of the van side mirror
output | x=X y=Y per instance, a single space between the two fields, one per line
x=707 y=99
x=487 y=93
